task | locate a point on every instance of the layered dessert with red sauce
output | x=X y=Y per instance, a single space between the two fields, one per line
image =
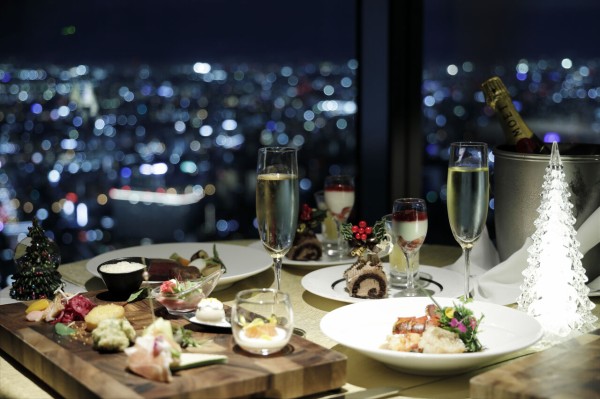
x=410 y=228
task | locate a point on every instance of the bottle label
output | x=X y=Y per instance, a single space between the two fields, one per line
x=504 y=111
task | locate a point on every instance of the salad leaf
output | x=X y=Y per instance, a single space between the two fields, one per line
x=138 y=295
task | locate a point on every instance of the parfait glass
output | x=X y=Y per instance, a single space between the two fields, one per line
x=339 y=197
x=277 y=200
x=397 y=262
x=468 y=196
x=409 y=228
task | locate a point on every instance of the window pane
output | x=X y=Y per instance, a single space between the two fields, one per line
x=542 y=52
x=130 y=122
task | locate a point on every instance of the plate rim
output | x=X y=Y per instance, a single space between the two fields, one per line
x=348 y=299
x=309 y=264
x=92 y=264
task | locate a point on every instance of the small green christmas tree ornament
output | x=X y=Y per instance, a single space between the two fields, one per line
x=37 y=258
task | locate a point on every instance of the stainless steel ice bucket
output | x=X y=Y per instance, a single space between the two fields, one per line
x=517 y=184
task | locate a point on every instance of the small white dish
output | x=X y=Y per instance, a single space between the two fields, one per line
x=221 y=323
x=365 y=326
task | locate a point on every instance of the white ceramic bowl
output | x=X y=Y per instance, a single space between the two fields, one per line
x=364 y=327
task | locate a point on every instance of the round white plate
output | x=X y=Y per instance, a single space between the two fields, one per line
x=365 y=326
x=241 y=261
x=329 y=283
x=312 y=264
x=220 y=324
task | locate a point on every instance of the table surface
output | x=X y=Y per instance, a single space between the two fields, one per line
x=362 y=372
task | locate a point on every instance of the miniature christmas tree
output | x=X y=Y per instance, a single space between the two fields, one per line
x=554 y=290
x=37 y=258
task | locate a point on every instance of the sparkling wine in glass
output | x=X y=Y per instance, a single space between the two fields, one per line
x=339 y=197
x=409 y=228
x=277 y=200
x=468 y=196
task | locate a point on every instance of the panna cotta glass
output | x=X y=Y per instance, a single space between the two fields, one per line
x=397 y=262
x=409 y=228
x=262 y=320
x=339 y=198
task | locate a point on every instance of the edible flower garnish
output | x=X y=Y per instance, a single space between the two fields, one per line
x=460 y=320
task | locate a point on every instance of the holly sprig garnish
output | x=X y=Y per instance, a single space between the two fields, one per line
x=362 y=237
x=310 y=218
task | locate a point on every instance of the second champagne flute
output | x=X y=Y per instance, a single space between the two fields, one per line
x=468 y=196
x=409 y=227
x=277 y=200
x=339 y=197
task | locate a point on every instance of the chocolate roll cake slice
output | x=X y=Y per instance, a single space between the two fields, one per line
x=366 y=280
x=306 y=247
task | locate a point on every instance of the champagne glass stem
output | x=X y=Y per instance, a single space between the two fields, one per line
x=410 y=280
x=340 y=240
x=467 y=253
x=277 y=268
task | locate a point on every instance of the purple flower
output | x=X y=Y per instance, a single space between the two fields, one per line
x=473 y=323
x=458 y=324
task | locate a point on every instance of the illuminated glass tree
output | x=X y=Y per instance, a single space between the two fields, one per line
x=37 y=257
x=554 y=290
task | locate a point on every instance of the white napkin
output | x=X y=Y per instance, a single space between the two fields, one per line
x=501 y=282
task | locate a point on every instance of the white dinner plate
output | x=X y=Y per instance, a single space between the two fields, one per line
x=365 y=326
x=329 y=283
x=310 y=264
x=241 y=261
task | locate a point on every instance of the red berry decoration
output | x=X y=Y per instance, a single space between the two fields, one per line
x=363 y=237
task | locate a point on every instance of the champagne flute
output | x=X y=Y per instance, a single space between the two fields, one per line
x=277 y=200
x=409 y=228
x=468 y=196
x=339 y=197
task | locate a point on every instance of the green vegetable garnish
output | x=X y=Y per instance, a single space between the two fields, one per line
x=138 y=295
x=63 y=329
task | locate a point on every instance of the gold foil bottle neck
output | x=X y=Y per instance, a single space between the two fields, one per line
x=515 y=129
x=493 y=90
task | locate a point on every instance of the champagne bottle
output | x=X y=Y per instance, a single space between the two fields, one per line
x=516 y=130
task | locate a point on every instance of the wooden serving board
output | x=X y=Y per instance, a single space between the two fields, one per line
x=74 y=369
x=567 y=370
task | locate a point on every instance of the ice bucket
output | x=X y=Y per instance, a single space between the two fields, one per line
x=517 y=184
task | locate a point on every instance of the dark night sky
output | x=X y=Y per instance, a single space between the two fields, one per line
x=494 y=32
x=177 y=30
x=212 y=30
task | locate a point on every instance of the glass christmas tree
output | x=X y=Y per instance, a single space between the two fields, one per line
x=554 y=290
x=37 y=258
